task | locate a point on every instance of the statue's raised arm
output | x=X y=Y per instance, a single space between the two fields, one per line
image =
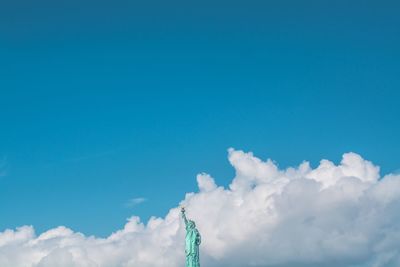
x=184 y=216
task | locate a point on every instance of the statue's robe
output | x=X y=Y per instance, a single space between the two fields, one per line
x=193 y=240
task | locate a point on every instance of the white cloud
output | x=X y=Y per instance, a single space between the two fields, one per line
x=135 y=201
x=334 y=215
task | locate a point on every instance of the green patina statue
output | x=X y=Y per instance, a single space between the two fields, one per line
x=193 y=240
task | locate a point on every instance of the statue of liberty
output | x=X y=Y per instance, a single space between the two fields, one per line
x=193 y=240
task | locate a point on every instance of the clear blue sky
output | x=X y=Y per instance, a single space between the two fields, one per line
x=102 y=102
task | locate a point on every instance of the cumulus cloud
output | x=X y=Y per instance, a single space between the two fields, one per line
x=333 y=215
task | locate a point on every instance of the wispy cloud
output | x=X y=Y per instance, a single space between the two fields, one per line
x=135 y=201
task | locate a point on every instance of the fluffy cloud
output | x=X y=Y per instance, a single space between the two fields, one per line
x=334 y=215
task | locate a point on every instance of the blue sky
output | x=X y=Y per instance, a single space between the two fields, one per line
x=103 y=102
